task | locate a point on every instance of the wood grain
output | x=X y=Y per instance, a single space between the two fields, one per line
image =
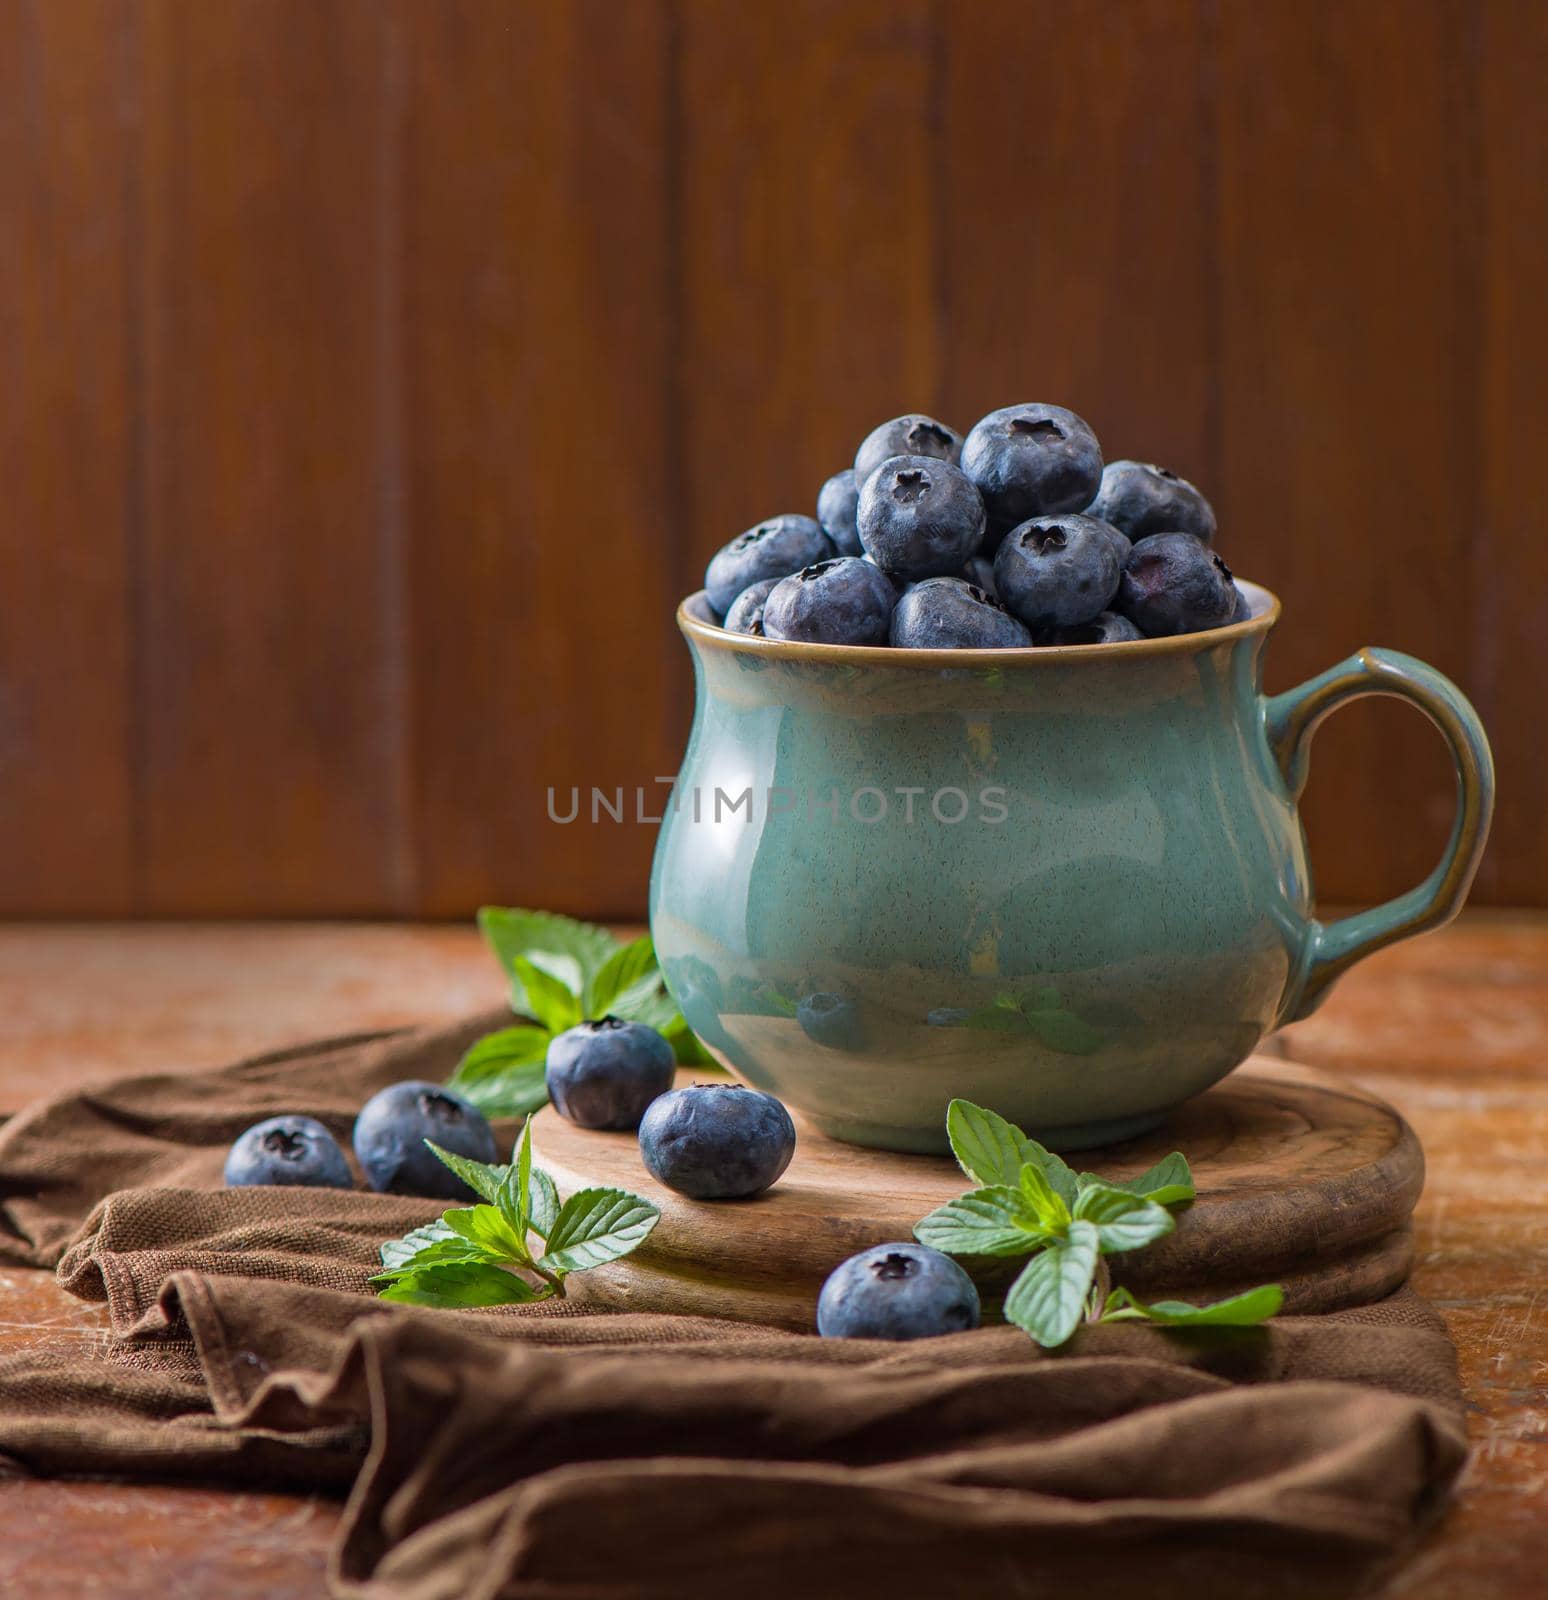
x=81 y=1002
x=68 y=309
x=1302 y=1179
x=265 y=741
x=1348 y=472
x=542 y=538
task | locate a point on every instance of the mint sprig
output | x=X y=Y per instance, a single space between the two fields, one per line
x=484 y=1255
x=1032 y=1203
x=561 y=972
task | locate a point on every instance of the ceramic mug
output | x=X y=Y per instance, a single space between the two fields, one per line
x=1067 y=883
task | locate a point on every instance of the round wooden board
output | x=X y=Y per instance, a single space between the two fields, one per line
x=1303 y=1180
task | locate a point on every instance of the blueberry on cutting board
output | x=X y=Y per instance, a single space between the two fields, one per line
x=717 y=1141
x=604 y=1074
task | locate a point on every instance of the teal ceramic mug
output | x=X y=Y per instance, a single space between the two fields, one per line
x=1069 y=884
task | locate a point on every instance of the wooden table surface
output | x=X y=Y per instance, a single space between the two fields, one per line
x=1452 y=1029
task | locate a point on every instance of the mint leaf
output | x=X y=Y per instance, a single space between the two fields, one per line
x=1049 y=1298
x=1240 y=1311
x=517 y=1092
x=1168 y=1183
x=487 y=1228
x=1065 y=1032
x=630 y=973
x=573 y=952
x=514 y=1199
x=1046 y=1203
x=547 y=1000
x=542 y=1203
x=482 y=1177
x=992 y=1150
x=595 y=1226
x=996 y=1221
x=460 y=1284
x=498 y=1052
x=398 y=1253
x=1123 y=1221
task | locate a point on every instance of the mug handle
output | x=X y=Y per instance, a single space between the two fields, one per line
x=1290 y=720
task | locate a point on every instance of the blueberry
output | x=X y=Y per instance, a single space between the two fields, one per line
x=896 y=1291
x=1142 y=499
x=1174 y=584
x=717 y=1141
x=604 y=1074
x=948 y=614
x=1107 y=628
x=746 y=612
x=1032 y=461
x=836 y=502
x=831 y=1020
x=390 y=1135
x=773 y=549
x=844 y=601
x=1055 y=572
x=979 y=571
x=288 y=1152
x=919 y=518
x=913 y=435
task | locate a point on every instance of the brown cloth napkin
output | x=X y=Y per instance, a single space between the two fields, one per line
x=543 y=1454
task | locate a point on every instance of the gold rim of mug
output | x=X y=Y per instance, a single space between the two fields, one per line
x=1265 y=615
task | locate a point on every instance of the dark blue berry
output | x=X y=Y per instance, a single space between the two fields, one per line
x=1141 y=499
x=746 y=613
x=948 y=614
x=919 y=518
x=831 y=1020
x=1108 y=628
x=773 y=549
x=844 y=601
x=288 y=1152
x=604 y=1074
x=1055 y=572
x=1174 y=584
x=1032 y=461
x=717 y=1141
x=1243 y=609
x=390 y=1135
x=836 y=502
x=897 y=1291
x=913 y=435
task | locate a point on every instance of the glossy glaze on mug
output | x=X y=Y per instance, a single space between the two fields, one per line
x=1127 y=932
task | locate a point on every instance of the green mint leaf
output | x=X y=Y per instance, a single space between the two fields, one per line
x=488 y=1228
x=1047 y=1204
x=449 y=1252
x=547 y=1000
x=630 y=974
x=1240 y=1311
x=514 y=1199
x=992 y=1150
x=498 y=1052
x=573 y=952
x=542 y=1203
x=595 y=1226
x=1168 y=1183
x=461 y=1284
x=1123 y=1221
x=482 y=1177
x=996 y=1221
x=515 y=1093
x=400 y=1252
x=1049 y=1298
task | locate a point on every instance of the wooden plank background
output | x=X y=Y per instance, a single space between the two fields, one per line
x=377 y=373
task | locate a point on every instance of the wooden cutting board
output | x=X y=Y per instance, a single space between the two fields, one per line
x=1303 y=1179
